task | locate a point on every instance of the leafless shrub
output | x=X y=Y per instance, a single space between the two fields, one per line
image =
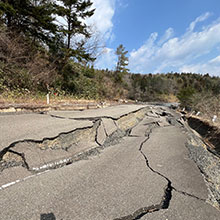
x=20 y=60
x=41 y=70
x=13 y=48
x=208 y=104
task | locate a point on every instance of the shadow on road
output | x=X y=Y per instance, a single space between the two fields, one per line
x=49 y=216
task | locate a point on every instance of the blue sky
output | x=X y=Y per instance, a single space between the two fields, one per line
x=160 y=35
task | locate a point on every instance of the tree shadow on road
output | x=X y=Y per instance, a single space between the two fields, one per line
x=49 y=216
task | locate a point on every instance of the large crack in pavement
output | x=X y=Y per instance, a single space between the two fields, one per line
x=65 y=141
x=96 y=134
x=165 y=201
x=22 y=155
x=16 y=159
x=110 y=140
x=92 y=118
x=167 y=196
x=44 y=141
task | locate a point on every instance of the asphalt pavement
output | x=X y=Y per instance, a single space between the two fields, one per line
x=139 y=167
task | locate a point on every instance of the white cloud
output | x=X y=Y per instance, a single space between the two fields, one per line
x=174 y=53
x=100 y=22
x=147 y=50
x=168 y=34
x=212 y=67
x=102 y=25
x=198 y=19
x=108 y=59
x=216 y=60
x=102 y=18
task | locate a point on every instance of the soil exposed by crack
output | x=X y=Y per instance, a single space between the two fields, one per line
x=211 y=134
x=205 y=152
x=69 y=141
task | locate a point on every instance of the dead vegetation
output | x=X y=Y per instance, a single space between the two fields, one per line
x=209 y=132
x=208 y=105
x=22 y=65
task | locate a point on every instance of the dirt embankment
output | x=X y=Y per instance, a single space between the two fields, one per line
x=205 y=151
x=210 y=133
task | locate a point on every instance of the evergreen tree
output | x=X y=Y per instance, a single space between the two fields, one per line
x=8 y=10
x=121 y=65
x=42 y=21
x=36 y=19
x=74 y=12
x=122 y=60
x=31 y=17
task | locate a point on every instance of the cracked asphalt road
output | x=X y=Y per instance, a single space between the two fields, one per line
x=147 y=174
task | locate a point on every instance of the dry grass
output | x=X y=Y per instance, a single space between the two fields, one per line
x=42 y=100
x=170 y=98
x=206 y=107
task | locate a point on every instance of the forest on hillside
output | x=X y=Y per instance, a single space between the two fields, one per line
x=38 y=55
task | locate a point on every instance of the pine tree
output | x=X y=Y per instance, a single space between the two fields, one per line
x=122 y=60
x=31 y=17
x=42 y=20
x=11 y=11
x=74 y=12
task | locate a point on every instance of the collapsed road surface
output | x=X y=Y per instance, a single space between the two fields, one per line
x=124 y=162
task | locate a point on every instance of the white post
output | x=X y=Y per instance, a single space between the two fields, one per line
x=198 y=113
x=214 y=118
x=48 y=99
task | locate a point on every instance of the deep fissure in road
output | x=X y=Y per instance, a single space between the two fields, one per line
x=67 y=140
x=210 y=133
x=166 y=199
x=110 y=139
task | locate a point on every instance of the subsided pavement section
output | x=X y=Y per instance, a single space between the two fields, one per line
x=18 y=127
x=104 y=187
x=137 y=167
x=15 y=128
x=49 y=142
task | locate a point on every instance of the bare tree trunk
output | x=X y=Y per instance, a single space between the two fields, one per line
x=69 y=29
x=68 y=37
